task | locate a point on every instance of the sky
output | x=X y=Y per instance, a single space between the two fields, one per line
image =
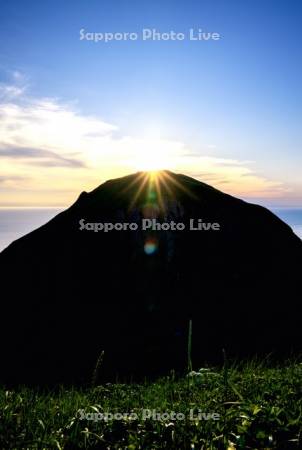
x=75 y=112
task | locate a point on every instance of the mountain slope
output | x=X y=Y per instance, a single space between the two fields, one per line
x=72 y=293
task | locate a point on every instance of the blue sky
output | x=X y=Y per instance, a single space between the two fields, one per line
x=234 y=101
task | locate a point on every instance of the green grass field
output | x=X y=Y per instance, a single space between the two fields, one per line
x=240 y=406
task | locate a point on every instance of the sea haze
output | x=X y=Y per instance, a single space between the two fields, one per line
x=291 y=216
x=16 y=222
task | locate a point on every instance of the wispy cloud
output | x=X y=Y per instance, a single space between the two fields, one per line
x=40 y=157
x=8 y=92
x=10 y=178
x=53 y=144
x=47 y=124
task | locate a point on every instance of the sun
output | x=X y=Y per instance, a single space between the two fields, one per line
x=152 y=161
x=155 y=154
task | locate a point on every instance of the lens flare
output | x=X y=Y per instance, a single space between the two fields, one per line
x=150 y=246
x=150 y=193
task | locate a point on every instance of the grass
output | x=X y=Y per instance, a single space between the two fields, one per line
x=259 y=407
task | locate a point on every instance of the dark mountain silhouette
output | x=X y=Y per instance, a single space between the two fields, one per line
x=68 y=294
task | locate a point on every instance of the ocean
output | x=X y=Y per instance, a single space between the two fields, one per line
x=291 y=216
x=16 y=222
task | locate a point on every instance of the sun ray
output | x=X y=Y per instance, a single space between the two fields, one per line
x=169 y=179
x=144 y=177
x=157 y=181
